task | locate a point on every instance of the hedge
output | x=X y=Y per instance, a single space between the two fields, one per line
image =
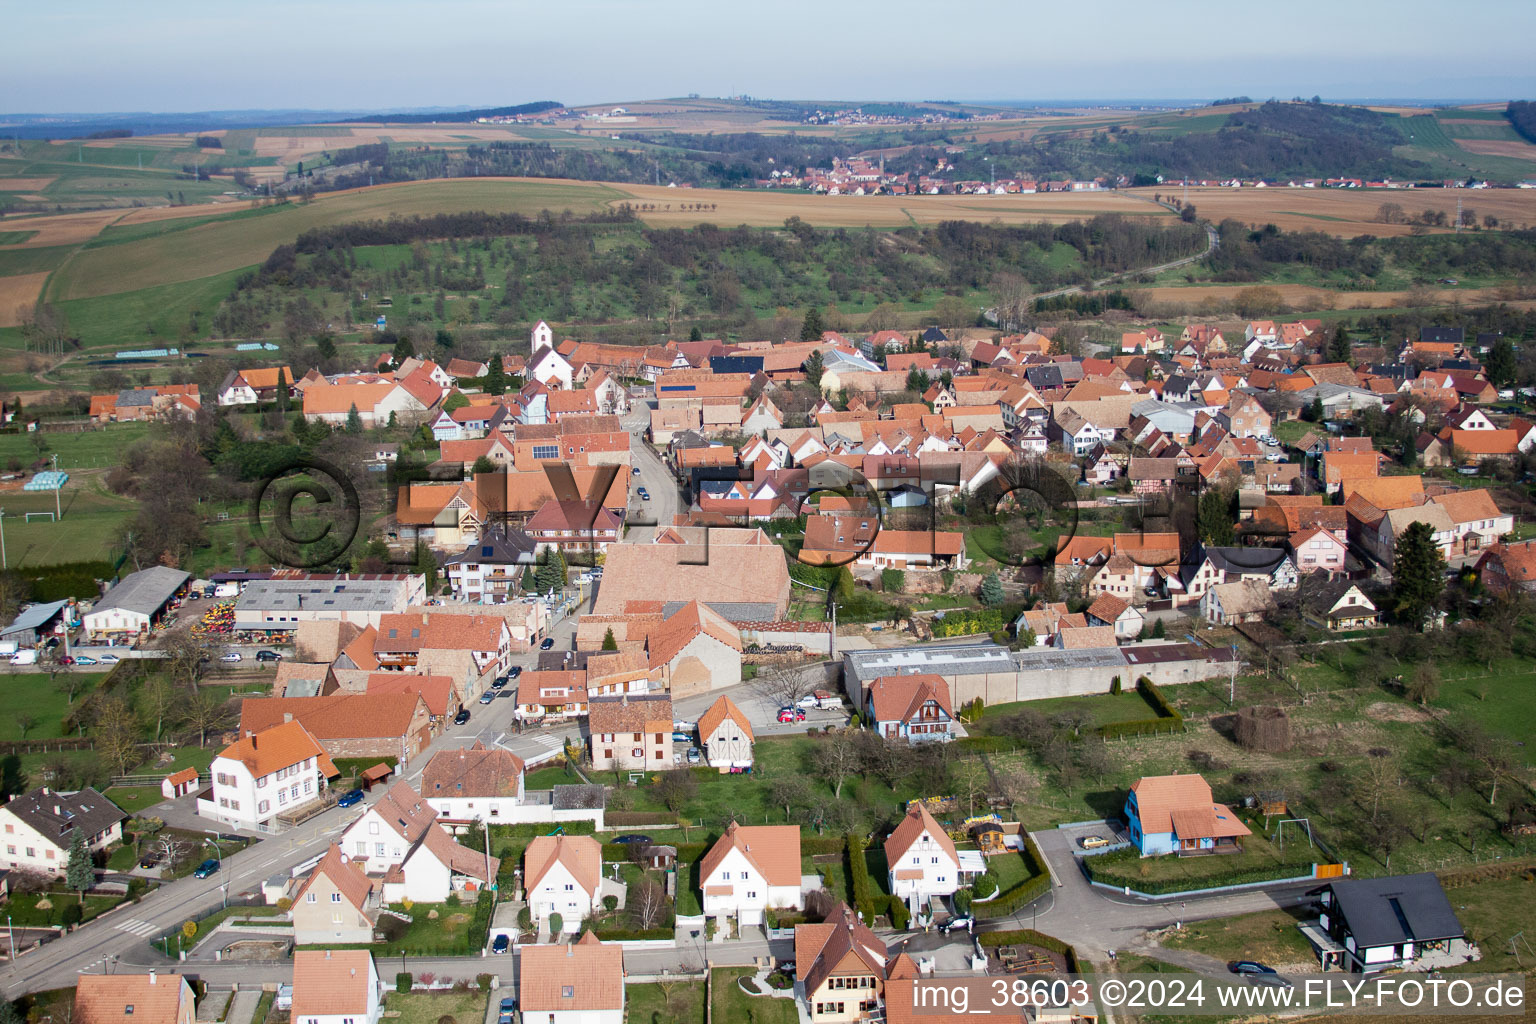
x=1457 y=877
x=1103 y=869
x=1026 y=892
x=858 y=879
x=1030 y=937
x=821 y=844
x=1168 y=718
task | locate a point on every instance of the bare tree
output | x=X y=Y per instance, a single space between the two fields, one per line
x=647 y=904
x=25 y=722
x=116 y=730
x=838 y=756
x=789 y=792
x=676 y=788
x=186 y=656
x=783 y=686
x=158 y=700
x=206 y=713
x=971 y=781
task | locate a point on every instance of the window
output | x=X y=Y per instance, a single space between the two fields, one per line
x=48 y=854
x=336 y=917
x=546 y=451
x=373 y=828
x=261 y=783
x=11 y=850
x=569 y=887
x=335 y=897
x=751 y=895
x=263 y=807
x=31 y=852
x=362 y=848
x=282 y=796
x=309 y=897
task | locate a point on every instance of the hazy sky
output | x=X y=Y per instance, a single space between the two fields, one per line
x=175 y=55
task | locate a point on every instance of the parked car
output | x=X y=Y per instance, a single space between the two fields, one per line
x=791 y=715
x=84 y=659
x=636 y=840
x=347 y=799
x=487 y=696
x=498 y=682
x=462 y=717
x=265 y=655
x=230 y=656
x=517 y=670
x=645 y=495
x=548 y=644
x=206 y=868
x=64 y=659
x=108 y=659
x=501 y=945
x=24 y=658
x=149 y=861
x=956 y=924
x=694 y=757
x=682 y=737
x=1092 y=842
x=1249 y=967
x=508 y=1005
x=634 y=471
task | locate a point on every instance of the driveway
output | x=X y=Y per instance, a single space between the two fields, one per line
x=1098 y=920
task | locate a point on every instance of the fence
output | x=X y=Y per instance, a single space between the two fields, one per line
x=45 y=746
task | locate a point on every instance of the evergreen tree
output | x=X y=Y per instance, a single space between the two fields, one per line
x=495 y=376
x=79 y=875
x=1214 y=519
x=992 y=591
x=609 y=643
x=811 y=327
x=426 y=565
x=1315 y=413
x=9 y=1014
x=1418 y=573
x=1341 y=350
x=1501 y=362
x=354 y=420
x=813 y=369
x=403 y=350
x=695 y=334
x=1159 y=630
x=483 y=464
x=282 y=391
x=917 y=380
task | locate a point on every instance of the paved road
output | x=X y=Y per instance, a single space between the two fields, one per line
x=1095 y=920
x=653 y=476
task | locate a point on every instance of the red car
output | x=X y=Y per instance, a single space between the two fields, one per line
x=66 y=660
x=791 y=715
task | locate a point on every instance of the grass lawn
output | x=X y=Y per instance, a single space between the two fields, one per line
x=92 y=521
x=201 y=848
x=1127 y=867
x=90 y=449
x=426 y=935
x=122 y=858
x=547 y=778
x=1010 y=870
x=1270 y=937
x=654 y=1004
x=429 y=1008
x=730 y=1003
x=182 y=757
x=833 y=875
x=24 y=909
x=745 y=798
x=134 y=799
x=1492 y=912
x=1100 y=709
x=1291 y=431
x=45 y=702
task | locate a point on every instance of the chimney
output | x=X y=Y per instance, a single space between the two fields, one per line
x=570 y=951
x=327 y=954
x=151 y=975
x=287 y=717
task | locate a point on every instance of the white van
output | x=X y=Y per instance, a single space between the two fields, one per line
x=24 y=658
x=227 y=590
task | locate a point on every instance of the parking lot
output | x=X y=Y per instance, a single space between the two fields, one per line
x=1114 y=831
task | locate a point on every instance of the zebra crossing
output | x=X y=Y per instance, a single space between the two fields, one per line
x=134 y=926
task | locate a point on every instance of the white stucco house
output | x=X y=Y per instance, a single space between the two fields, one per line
x=749 y=869
x=563 y=875
x=39 y=827
x=922 y=859
x=335 y=986
x=265 y=774
x=400 y=841
x=473 y=784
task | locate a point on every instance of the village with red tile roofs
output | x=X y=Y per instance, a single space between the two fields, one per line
x=804 y=671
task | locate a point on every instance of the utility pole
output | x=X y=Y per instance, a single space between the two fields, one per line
x=1458 y=213
x=2 y=539
x=58 y=513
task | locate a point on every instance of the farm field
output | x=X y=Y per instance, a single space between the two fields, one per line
x=1348 y=212
x=34 y=694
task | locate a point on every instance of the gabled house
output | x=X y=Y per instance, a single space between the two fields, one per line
x=574 y=527
x=40 y=826
x=335 y=986
x=921 y=859
x=337 y=903
x=1108 y=610
x=1508 y=567
x=551 y=694
x=1337 y=604
x=563 y=875
x=1318 y=549
x=916 y=708
x=476 y=783
x=725 y=733
x=695 y=649
x=399 y=841
x=489 y=570
x=574 y=983
x=840 y=969
x=248 y=387
x=1393 y=923
x=119 y=998
x=751 y=869
x=630 y=733
x=266 y=773
x=1175 y=814
x=1246 y=601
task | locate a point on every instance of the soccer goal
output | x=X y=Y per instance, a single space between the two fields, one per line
x=42 y=515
